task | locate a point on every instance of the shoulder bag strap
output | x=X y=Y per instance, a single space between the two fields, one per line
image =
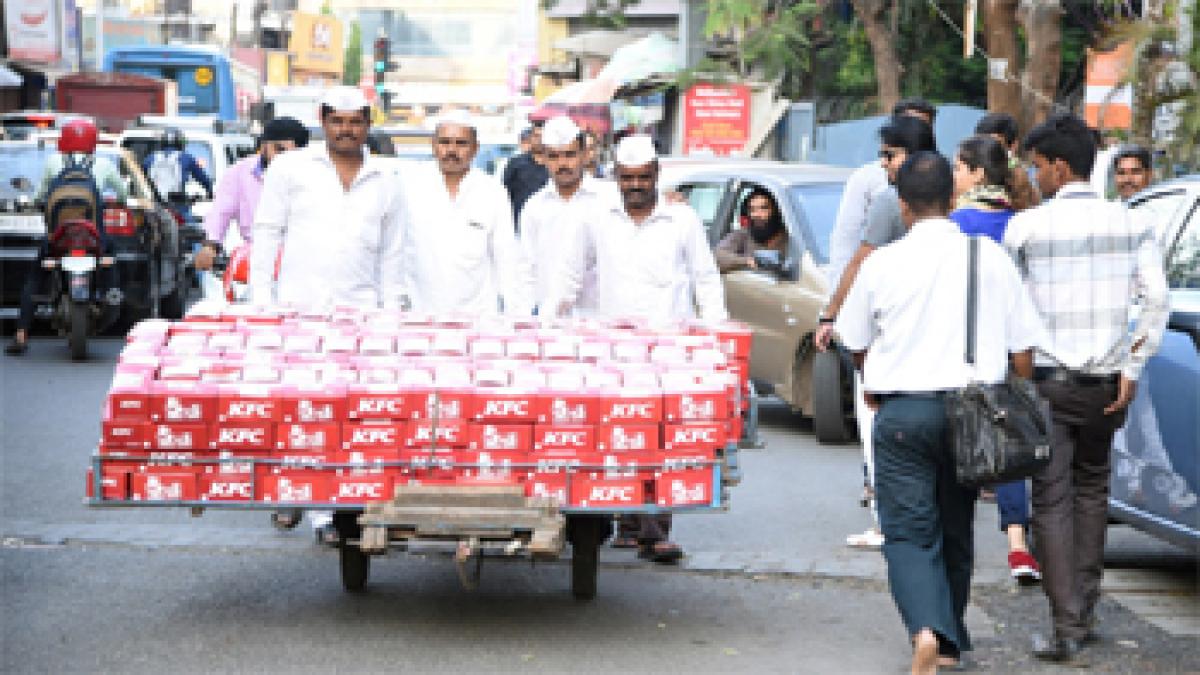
x=972 y=297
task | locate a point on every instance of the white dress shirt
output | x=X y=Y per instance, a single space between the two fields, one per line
x=461 y=252
x=907 y=309
x=551 y=224
x=339 y=245
x=1092 y=270
x=864 y=184
x=660 y=268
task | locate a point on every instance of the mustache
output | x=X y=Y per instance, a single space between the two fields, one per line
x=344 y=137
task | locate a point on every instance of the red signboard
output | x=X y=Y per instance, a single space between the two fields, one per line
x=716 y=118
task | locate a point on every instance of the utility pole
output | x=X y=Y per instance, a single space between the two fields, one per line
x=100 y=34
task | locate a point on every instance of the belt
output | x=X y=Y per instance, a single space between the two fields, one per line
x=1065 y=376
x=888 y=395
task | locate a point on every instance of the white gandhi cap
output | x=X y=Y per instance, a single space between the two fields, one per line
x=457 y=118
x=560 y=131
x=636 y=150
x=344 y=99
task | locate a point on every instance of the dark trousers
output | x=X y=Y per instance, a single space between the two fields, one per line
x=1012 y=500
x=1070 y=502
x=645 y=528
x=926 y=517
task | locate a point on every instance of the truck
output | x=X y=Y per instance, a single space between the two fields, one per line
x=115 y=100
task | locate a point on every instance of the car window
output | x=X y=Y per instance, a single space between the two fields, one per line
x=818 y=205
x=202 y=151
x=1183 y=261
x=1159 y=208
x=705 y=199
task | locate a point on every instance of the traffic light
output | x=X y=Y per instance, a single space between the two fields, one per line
x=382 y=52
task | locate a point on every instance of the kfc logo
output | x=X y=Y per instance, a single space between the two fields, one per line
x=241 y=437
x=545 y=465
x=425 y=433
x=360 y=491
x=631 y=411
x=378 y=407
x=566 y=439
x=302 y=460
x=373 y=436
x=612 y=493
x=229 y=490
x=259 y=410
x=695 y=436
x=505 y=408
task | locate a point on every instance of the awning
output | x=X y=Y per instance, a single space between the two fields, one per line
x=9 y=77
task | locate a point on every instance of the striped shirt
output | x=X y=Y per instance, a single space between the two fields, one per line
x=1093 y=271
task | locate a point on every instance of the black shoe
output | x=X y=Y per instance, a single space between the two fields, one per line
x=1092 y=637
x=1064 y=650
x=16 y=348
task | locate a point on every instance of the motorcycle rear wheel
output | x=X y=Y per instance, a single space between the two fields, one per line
x=77 y=330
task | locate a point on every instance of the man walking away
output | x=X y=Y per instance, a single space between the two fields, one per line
x=526 y=173
x=905 y=318
x=1087 y=265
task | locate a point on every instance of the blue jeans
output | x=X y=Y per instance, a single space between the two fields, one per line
x=926 y=517
x=1013 y=503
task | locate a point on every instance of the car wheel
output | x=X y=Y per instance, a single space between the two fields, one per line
x=830 y=421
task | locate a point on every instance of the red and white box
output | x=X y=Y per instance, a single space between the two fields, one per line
x=174 y=486
x=238 y=463
x=600 y=492
x=180 y=436
x=119 y=434
x=581 y=407
x=374 y=435
x=360 y=488
x=448 y=433
x=564 y=438
x=296 y=487
x=442 y=403
x=249 y=403
x=182 y=458
x=247 y=436
x=622 y=464
x=503 y=404
x=114 y=483
x=632 y=407
x=491 y=463
x=218 y=487
x=688 y=487
x=500 y=437
x=306 y=460
x=309 y=437
x=628 y=437
x=183 y=402
x=129 y=396
x=687 y=458
x=550 y=484
x=700 y=435
x=376 y=402
x=326 y=403
x=696 y=404
x=369 y=461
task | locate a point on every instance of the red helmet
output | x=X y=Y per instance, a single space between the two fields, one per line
x=78 y=135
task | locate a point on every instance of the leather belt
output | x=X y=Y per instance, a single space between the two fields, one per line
x=1065 y=376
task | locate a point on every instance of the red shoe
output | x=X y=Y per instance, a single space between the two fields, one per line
x=1024 y=568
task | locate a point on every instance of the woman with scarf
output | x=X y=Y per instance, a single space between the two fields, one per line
x=987 y=195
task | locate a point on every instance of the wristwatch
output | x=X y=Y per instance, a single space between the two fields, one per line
x=826 y=319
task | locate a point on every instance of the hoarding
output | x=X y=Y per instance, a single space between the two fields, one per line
x=33 y=32
x=716 y=118
x=316 y=44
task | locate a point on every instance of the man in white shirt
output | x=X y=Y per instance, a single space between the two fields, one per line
x=651 y=259
x=333 y=210
x=553 y=216
x=461 y=253
x=905 y=321
x=1093 y=271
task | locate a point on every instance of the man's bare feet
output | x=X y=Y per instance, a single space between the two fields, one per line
x=925 y=653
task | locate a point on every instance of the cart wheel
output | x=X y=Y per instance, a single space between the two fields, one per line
x=356 y=567
x=585 y=534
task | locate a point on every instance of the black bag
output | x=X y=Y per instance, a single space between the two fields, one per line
x=1001 y=432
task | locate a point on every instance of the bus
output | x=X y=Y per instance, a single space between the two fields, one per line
x=202 y=74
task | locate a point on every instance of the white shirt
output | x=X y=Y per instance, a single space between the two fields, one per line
x=864 y=184
x=907 y=309
x=661 y=268
x=1092 y=270
x=339 y=245
x=461 y=252
x=550 y=225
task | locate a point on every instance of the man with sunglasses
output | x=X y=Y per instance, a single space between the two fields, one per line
x=238 y=191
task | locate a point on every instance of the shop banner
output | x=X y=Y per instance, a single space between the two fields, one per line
x=716 y=119
x=33 y=33
x=1108 y=97
x=316 y=44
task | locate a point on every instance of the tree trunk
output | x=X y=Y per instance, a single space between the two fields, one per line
x=1000 y=38
x=1042 y=20
x=873 y=14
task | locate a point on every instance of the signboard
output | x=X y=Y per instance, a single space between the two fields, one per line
x=1108 y=103
x=278 y=68
x=33 y=33
x=716 y=118
x=316 y=44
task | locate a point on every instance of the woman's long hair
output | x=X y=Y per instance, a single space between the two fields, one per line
x=985 y=152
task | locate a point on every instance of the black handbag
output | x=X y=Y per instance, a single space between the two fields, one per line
x=1000 y=432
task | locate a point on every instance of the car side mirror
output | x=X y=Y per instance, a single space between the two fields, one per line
x=21 y=183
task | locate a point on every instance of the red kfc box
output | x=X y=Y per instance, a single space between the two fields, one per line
x=557 y=438
x=129 y=396
x=498 y=404
x=248 y=403
x=491 y=463
x=185 y=458
x=313 y=404
x=296 y=487
x=701 y=435
x=118 y=434
x=174 y=486
x=180 y=436
x=447 y=403
x=515 y=437
x=551 y=484
x=448 y=433
x=369 y=461
x=114 y=483
x=309 y=437
x=588 y=492
x=249 y=436
x=632 y=407
x=304 y=460
x=687 y=487
x=224 y=487
x=628 y=437
x=373 y=435
x=183 y=402
x=733 y=338
x=376 y=402
x=581 y=407
x=240 y=462
x=697 y=404
x=360 y=488
x=621 y=464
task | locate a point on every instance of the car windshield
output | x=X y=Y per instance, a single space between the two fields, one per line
x=818 y=203
x=1159 y=208
x=1183 y=265
x=19 y=162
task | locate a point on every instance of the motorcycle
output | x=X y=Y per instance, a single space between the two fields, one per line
x=79 y=305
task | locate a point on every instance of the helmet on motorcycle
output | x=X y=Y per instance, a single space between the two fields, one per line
x=171 y=139
x=78 y=135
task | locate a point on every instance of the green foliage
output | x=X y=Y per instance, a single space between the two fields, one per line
x=769 y=37
x=352 y=64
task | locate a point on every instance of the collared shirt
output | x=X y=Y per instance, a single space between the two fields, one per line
x=1089 y=266
x=549 y=226
x=236 y=198
x=339 y=246
x=907 y=309
x=864 y=184
x=461 y=253
x=884 y=223
x=522 y=178
x=660 y=268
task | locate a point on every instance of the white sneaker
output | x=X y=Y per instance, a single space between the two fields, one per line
x=871 y=539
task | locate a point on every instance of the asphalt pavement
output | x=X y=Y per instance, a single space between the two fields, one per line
x=767 y=587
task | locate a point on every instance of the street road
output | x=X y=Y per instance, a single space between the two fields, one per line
x=767 y=587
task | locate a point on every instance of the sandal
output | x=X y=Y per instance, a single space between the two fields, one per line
x=662 y=552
